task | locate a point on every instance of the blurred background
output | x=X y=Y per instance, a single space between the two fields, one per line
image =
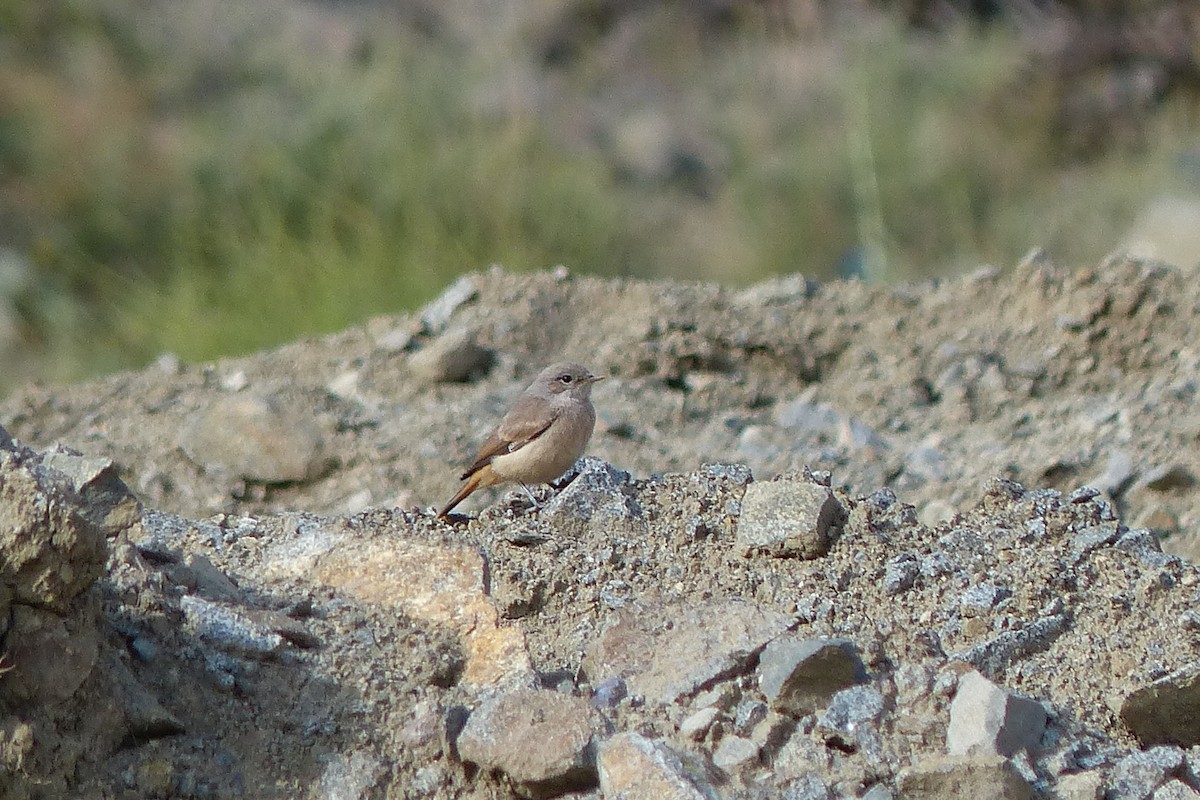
x=206 y=177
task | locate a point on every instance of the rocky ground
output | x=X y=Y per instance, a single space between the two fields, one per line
x=832 y=541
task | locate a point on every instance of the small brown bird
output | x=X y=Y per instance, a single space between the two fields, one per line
x=539 y=439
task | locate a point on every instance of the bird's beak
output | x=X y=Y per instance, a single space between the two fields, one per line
x=594 y=378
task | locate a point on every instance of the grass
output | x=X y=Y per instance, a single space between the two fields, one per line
x=218 y=199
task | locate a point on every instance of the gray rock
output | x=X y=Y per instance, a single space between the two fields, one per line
x=436 y=316
x=735 y=752
x=879 y=791
x=985 y=719
x=992 y=656
x=609 y=692
x=1093 y=538
x=633 y=767
x=798 y=676
x=1167 y=711
x=541 y=739
x=787 y=518
x=748 y=714
x=958 y=777
x=1137 y=775
x=850 y=709
x=204 y=577
x=600 y=495
x=1145 y=546
x=349 y=776
x=703 y=644
x=228 y=628
x=901 y=573
x=454 y=357
x=806 y=787
x=1168 y=477
x=982 y=597
x=255 y=438
x=1176 y=790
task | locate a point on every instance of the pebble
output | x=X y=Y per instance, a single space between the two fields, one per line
x=229 y=628
x=453 y=357
x=735 y=752
x=349 y=776
x=541 y=739
x=1176 y=790
x=798 y=676
x=695 y=726
x=1137 y=775
x=257 y=438
x=958 y=777
x=633 y=767
x=787 y=518
x=989 y=720
x=436 y=315
x=666 y=664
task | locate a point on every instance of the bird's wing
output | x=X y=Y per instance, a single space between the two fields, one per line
x=528 y=419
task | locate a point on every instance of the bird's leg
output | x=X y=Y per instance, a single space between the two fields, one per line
x=532 y=499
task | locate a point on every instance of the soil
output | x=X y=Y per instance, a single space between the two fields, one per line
x=926 y=405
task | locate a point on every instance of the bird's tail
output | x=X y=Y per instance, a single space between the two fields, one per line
x=471 y=485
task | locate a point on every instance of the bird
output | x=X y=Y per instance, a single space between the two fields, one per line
x=541 y=437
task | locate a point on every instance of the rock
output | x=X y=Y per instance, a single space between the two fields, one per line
x=806 y=787
x=49 y=656
x=695 y=726
x=540 y=739
x=901 y=573
x=1167 y=711
x=1081 y=786
x=440 y=584
x=704 y=643
x=208 y=580
x=1168 y=477
x=609 y=692
x=982 y=597
x=734 y=752
x=256 y=438
x=228 y=628
x=1137 y=775
x=104 y=498
x=787 y=518
x=633 y=767
x=600 y=496
x=798 y=676
x=349 y=776
x=958 y=777
x=985 y=719
x=1176 y=790
x=850 y=711
x=145 y=717
x=50 y=552
x=436 y=315
x=992 y=656
x=453 y=357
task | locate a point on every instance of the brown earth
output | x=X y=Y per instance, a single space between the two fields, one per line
x=288 y=620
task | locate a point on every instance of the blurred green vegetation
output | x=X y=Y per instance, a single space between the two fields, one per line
x=207 y=188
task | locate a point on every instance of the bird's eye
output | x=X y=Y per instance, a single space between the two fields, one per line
x=565 y=377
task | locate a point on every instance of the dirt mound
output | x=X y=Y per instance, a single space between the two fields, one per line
x=288 y=620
